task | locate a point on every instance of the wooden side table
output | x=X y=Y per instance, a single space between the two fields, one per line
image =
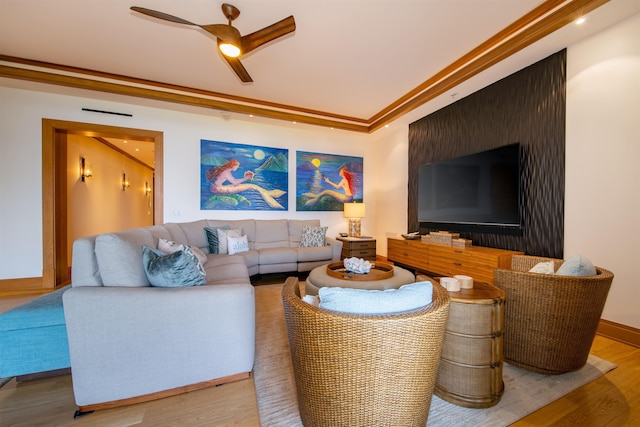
x=470 y=372
x=359 y=247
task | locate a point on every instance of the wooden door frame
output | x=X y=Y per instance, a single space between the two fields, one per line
x=54 y=231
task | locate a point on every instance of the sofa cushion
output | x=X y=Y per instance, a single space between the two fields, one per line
x=86 y=271
x=272 y=234
x=225 y=269
x=322 y=253
x=160 y=232
x=193 y=231
x=211 y=233
x=278 y=256
x=120 y=257
x=313 y=236
x=177 y=269
x=364 y=301
x=577 y=265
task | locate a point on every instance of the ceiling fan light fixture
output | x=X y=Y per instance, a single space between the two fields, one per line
x=229 y=49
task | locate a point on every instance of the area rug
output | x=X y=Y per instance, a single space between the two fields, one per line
x=525 y=392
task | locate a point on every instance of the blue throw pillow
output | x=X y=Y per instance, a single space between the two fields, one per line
x=212 y=237
x=177 y=269
x=577 y=265
x=363 y=301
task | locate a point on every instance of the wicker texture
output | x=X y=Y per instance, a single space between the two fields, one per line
x=550 y=320
x=364 y=370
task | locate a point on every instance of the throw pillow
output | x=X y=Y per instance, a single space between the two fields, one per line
x=312 y=236
x=545 y=267
x=168 y=247
x=363 y=301
x=577 y=265
x=212 y=237
x=177 y=269
x=235 y=245
x=223 y=234
x=311 y=299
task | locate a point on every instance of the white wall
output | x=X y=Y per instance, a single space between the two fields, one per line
x=21 y=158
x=602 y=204
x=98 y=204
x=391 y=182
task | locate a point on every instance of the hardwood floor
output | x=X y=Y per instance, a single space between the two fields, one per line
x=612 y=400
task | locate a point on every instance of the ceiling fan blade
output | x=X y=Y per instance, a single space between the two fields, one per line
x=238 y=68
x=223 y=32
x=161 y=15
x=265 y=35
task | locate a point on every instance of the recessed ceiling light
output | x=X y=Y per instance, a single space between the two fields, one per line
x=581 y=20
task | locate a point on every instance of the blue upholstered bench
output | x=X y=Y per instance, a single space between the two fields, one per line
x=33 y=337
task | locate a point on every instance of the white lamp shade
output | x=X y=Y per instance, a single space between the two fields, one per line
x=354 y=210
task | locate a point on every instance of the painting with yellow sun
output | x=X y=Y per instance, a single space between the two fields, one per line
x=324 y=182
x=243 y=177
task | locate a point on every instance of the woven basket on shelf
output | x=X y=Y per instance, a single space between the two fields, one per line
x=550 y=320
x=364 y=370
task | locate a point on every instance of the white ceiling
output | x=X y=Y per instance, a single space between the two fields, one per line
x=347 y=57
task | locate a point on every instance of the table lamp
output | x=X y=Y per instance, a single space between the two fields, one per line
x=355 y=212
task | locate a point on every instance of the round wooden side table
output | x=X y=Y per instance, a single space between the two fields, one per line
x=470 y=372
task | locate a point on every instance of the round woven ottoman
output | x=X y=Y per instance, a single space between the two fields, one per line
x=318 y=278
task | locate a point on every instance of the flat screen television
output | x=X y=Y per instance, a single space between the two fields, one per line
x=476 y=192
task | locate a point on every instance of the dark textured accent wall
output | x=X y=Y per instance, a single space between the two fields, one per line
x=526 y=107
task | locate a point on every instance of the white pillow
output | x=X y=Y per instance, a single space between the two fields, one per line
x=223 y=245
x=311 y=299
x=363 y=301
x=169 y=247
x=235 y=245
x=544 y=267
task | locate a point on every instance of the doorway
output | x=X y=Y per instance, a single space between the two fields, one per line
x=54 y=195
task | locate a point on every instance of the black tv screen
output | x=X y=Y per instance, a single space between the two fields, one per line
x=478 y=189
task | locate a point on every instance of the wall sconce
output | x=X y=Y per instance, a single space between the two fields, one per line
x=147 y=189
x=85 y=172
x=355 y=212
x=124 y=183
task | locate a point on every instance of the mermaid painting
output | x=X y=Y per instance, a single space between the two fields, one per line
x=346 y=184
x=224 y=183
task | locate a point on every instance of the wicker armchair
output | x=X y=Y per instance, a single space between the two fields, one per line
x=550 y=320
x=364 y=370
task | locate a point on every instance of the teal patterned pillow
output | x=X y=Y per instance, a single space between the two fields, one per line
x=312 y=236
x=212 y=237
x=177 y=269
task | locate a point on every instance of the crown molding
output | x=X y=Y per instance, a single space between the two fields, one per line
x=548 y=17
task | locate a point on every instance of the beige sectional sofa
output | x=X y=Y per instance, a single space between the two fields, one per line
x=130 y=342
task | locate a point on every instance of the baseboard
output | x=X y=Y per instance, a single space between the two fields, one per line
x=616 y=331
x=22 y=286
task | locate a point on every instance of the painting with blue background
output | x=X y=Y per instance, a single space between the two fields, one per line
x=243 y=177
x=324 y=182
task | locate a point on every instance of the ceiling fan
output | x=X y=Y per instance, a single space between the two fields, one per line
x=230 y=43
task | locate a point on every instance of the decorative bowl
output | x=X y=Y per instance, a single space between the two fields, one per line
x=411 y=236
